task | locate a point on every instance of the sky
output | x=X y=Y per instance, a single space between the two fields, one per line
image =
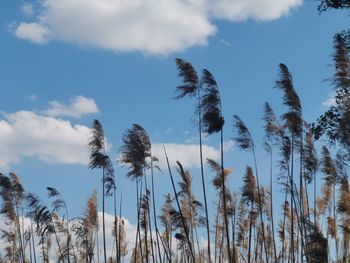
x=66 y=62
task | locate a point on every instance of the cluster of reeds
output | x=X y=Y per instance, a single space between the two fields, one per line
x=314 y=225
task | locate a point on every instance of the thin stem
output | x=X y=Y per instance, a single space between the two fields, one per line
x=260 y=204
x=179 y=207
x=119 y=229
x=271 y=205
x=154 y=210
x=33 y=242
x=250 y=231
x=103 y=216
x=202 y=173
x=164 y=247
x=115 y=223
x=224 y=195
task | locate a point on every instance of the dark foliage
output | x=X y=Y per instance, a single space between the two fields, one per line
x=334 y=123
x=40 y=214
x=292 y=118
x=243 y=137
x=212 y=119
x=190 y=81
x=317 y=245
x=135 y=151
x=310 y=157
x=333 y=4
x=249 y=193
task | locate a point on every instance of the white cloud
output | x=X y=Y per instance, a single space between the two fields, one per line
x=330 y=101
x=187 y=154
x=27 y=9
x=4 y=226
x=239 y=10
x=32 y=32
x=228 y=145
x=130 y=232
x=149 y=26
x=27 y=134
x=79 y=106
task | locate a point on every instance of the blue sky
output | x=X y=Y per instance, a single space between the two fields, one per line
x=58 y=73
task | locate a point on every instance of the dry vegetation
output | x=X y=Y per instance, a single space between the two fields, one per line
x=314 y=225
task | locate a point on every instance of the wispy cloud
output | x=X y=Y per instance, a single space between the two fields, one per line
x=229 y=145
x=240 y=10
x=149 y=26
x=78 y=107
x=330 y=101
x=187 y=154
x=225 y=42
x=27 y=9
x=32 y=97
